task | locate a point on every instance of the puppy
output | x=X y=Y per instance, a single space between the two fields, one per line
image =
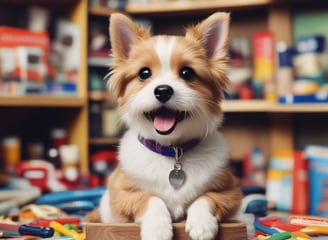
x=172 y=159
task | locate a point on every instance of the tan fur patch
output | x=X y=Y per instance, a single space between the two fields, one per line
x=126 y=200
x=93 y=216
x=225 y=199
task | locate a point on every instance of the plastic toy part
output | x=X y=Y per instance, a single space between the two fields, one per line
x=256 y=204
x=43 y=232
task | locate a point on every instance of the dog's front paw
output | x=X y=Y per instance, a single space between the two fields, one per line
x=201 y=224
x=156 y=223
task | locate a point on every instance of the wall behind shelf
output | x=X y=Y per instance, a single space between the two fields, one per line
x=310 y=129
x=243 y=132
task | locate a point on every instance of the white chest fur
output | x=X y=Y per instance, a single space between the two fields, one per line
x=150 y=170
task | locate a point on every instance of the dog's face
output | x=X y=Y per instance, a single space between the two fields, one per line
x=169 y=87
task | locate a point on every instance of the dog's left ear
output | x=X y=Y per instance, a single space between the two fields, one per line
x=213 y=34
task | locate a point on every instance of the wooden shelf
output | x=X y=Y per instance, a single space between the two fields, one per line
x=243 y=105
x=104 y=141
x=186 y=7
x=41 y=101
x=42 y=2
x=101 y=11
x=266 y=106
x=191 y=6
x=174 y=7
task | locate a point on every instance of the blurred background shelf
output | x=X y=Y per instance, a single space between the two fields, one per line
x=243 y=105
x=266 y=106
x=189 y=7
x=186 y=7
x=42 y=101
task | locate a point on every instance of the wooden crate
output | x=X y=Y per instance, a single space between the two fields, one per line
x=131 y=231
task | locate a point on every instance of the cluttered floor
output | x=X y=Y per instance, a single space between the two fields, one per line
x=28 y=214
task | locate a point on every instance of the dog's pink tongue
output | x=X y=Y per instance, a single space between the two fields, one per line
x=164 y=124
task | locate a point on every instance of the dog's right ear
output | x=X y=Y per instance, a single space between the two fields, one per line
x=123 y=33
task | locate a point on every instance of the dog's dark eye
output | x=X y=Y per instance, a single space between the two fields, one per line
x=144 y=73
x=187 y=73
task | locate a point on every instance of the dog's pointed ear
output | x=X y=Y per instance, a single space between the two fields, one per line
x=212 y=33
x=123 y=33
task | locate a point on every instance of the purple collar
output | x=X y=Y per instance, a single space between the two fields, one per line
x=168 y=151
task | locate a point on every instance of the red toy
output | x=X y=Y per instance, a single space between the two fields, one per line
x=41 y=174
x=103 y=163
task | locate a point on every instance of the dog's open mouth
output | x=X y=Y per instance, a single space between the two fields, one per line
x=165 y=119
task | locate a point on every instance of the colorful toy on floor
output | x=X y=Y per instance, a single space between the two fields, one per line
x=75 y=201
x=61 y=229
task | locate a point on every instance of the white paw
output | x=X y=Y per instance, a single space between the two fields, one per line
x=156 y=223
x=201 y=224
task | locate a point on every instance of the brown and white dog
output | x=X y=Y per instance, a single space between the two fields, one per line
x=172 y=159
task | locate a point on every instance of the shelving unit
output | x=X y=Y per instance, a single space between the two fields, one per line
x=35 y=115
x=250 y=123
x=268 y=125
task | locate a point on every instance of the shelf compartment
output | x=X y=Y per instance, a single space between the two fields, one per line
x=42 y=101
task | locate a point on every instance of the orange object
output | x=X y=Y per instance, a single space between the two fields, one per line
x=27 y=215
x=11 y=148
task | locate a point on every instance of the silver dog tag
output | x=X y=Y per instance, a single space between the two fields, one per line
x=177 y=176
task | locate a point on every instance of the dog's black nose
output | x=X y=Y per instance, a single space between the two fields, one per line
x=163 y=93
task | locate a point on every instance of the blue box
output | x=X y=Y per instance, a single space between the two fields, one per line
x=318 y=179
